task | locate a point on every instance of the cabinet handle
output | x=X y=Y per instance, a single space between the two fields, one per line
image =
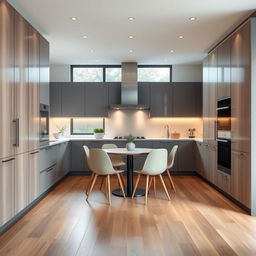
x=17 y=132
x=33 y=153
x=8 y=160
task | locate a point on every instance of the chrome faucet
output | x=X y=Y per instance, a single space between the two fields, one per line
x=167 y=130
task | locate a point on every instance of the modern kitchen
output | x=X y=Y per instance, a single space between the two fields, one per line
x=127 y=130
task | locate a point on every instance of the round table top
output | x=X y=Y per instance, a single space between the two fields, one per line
x=125 y=152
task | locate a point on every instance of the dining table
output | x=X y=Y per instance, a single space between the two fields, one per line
x=129 y=169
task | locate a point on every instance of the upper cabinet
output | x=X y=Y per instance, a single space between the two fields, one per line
x=44 y=70
x=55 y=100
x=114 y=93
x=224 y=69
x=144 y=94
x=241 y=89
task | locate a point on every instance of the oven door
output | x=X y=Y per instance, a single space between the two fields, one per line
x=224 y=155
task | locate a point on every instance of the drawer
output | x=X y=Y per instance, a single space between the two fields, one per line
x=47 y=157
x=47 y=178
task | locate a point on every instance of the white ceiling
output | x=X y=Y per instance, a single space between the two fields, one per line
x=156 y=28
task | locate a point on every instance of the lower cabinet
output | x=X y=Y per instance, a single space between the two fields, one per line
x=223 y=181
x=33 y=176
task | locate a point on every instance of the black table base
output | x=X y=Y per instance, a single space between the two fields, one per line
x=118 y=192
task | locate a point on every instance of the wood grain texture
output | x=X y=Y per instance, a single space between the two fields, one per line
x=197 y=221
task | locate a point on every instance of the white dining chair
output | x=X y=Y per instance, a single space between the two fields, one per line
x=155 y=165
x=101 y=165
x=87 y=155
x=117 y=161
x=170 y=164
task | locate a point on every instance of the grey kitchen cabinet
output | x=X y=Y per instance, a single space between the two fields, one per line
x=33 y=176
x=199 y=158
x=144 y=94
x=187 y=100
x=55 y=99
x=78 y=158
x=34 y=101
x=96 y=100
x=47 y=157
x=63 y=160
x=6 y=80
x=138 y=161
x=46 y=179
x=7 y=197
x=114 y=93
x=44 y=68
x=161 y=104
x=73 y=100
x=186 y=156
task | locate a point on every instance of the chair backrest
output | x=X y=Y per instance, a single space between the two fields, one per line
x=87 y=154
x=156 y=162
x=106 y=146
x=100 y=162
x=171 y=157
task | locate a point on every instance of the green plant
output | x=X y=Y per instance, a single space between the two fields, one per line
x=61 y=129
x=129 y=138
x=98 y=130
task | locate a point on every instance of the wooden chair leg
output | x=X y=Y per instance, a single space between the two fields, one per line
x=136 y=185
x=89 y=183
x=150 y=182
x=146 y=192
x=122 y=178
x=92 y=185
x=165 y=189
x=171 y=181
x=120 y=183
x=155 y=185
x=109 y=193
x=102 y=182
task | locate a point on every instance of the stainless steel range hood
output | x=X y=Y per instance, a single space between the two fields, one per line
x=129 y=88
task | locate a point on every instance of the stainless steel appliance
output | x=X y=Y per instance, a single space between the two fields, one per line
x=44 y=124
x=224 y=135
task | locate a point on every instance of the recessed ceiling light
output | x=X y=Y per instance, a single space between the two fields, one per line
x=171 y=51
x=181 y=37
x=85 y=36
x=130 y=51
x=130 y=37
x=73 y=18
x=131 y=18
x=192 y=18
x=92 y=50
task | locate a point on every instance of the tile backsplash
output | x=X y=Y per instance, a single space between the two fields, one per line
x=138 y=123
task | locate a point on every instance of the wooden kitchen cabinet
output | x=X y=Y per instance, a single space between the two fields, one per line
x=33 y=176
x=241 y=89
x=44 y=69
x=55 y=100
x=187 y=99
x=224 y=69
x=212 y=163
x=6 y=80
x=241 y=177
x=205 y=99
x=21 y=31
x=73 y=100
x=96 y=100
x=223 y=181
x=7 y=172
x=161 y=100
x=34 y=102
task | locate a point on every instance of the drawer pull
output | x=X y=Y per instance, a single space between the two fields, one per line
x=33 y=153
x=8 y=160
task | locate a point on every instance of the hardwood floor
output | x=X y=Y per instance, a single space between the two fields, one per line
x=197 y=221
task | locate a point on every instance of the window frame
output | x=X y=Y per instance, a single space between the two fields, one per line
x=157 y=66
x=72 y=126
x=104 y=67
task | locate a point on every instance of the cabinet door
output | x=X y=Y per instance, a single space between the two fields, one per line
x=7 y=168
x=21 y=83
x=161 y=100
x=199 y=158
x=241 y=89
x=212 y=163
x=33 y=177
x=44 y=71
x=206 y=99
x=186 y=156
x=114 y=91
x=241 y=177
x=33 y=89
x=212 y=87
x=223 y=181
x=96 y=100
x=206 y=156
x=186 y=99
x=144 y=94
x=55 y=99
x=21 y=181
x=72 y=100
x=78 y=158
x=224 y=69
x=6 y=80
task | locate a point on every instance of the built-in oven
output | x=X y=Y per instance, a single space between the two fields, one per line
x=224 y=135
x=44 y=124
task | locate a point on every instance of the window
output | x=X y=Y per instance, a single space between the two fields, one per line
x=96 y=73
x=154 y=73
x=83 y=126
x=87 y=74
x=113 y=74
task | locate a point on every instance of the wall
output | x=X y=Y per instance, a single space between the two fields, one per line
x=138 y=123
x=180 y=73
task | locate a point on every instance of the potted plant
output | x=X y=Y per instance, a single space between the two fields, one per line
x=98 y=133
x=60 y=133
x=130 y=146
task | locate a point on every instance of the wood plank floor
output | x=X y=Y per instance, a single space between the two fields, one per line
x=197 y=221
